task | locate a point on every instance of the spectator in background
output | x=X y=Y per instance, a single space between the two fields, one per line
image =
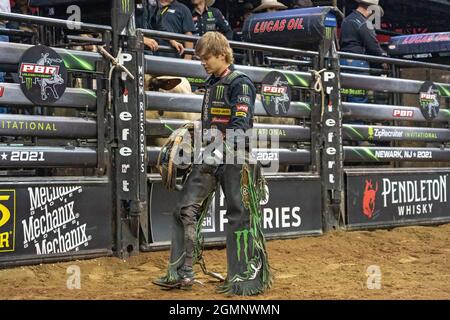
x=240 y=55
x=206 y=18
x=358 y=37
x=302 y=4
x=247 y=10
x=266 y=6
x=176 y=18
x=5 y=7
x=148 y=16
x=269 y=6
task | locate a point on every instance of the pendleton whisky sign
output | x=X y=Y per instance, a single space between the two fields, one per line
x=388 y=198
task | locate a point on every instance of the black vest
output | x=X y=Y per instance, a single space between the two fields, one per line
x=210 y=23
x=216 y=108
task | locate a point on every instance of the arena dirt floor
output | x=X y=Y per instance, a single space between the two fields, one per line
x=414 y=264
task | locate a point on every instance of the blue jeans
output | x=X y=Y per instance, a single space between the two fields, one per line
x=2 y=74
x=355 y=95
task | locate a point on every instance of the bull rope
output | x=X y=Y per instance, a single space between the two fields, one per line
x=318 y=87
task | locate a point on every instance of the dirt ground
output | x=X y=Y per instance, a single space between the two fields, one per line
x=414 y=263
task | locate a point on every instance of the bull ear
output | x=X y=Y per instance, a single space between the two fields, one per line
x=168 y=84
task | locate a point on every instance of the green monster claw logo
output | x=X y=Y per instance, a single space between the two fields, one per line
x=210 y=14
x=29 y=83
x=371 y=133
x=219 y=92
x=242 y=234
x=125 y=5
x=328 y=33
x=245 y=89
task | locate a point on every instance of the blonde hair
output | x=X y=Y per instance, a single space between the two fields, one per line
x=214 y=43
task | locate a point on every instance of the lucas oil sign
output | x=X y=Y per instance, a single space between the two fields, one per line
x=388 y=198
x=43 y=75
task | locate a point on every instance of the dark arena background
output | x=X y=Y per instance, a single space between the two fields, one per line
x=359 y=207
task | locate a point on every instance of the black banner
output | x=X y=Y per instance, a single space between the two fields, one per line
x=164 y=127
x=73 y=59
x=45 y=220
x=386 y=198
x=356 y=132
x=332 y=133
x=193 y=103
x=47 y=157
x=420 y=43
x=283 y=156
x=52 y=127
x=293 y=208
x=380 y=154
x=367 y=111
x=84 y=99
x=298 y=28
x=127 y=124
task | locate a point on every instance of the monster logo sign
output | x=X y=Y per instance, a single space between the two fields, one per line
x=276 y=94
x=43 y=75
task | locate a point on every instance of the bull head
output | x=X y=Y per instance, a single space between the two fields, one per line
x=165 y=84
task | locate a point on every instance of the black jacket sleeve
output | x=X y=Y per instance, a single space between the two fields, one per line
x=222 y=25
x=370 y=41
x=153 y=17
x=187 y=23
x=242 y=100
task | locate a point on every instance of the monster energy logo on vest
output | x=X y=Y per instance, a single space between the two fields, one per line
x=43 y=75
x=216 y=109
x=219 y=91
x=276 y=94
x=125 y=5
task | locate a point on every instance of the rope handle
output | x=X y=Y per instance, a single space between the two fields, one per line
x=318 y=87
x=114 y=61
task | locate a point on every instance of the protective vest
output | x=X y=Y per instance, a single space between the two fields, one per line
x=216 y=108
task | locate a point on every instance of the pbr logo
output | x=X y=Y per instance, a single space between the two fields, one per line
x=43 y=75
x=429 y=100
x=276 y=94
x=403 y=113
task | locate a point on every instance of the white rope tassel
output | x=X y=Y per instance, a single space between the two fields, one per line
x=318 y=87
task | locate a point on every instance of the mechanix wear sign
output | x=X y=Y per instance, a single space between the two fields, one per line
x=429 y=100
x=43 y=76
x=40 y=220
x=276 y=94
